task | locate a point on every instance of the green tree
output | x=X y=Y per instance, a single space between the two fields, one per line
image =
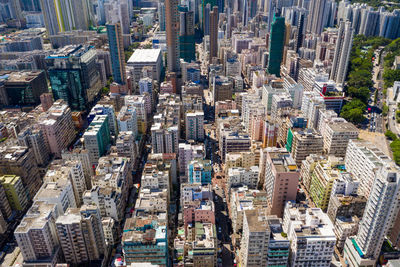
x=391 y=135
x=361 y=93
x=360 y=78
x=148 y=46
x=385 y=109
x=390 y=76
x=353 y=111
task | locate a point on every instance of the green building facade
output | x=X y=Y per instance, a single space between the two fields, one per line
x=276 y=42
x=15 y=192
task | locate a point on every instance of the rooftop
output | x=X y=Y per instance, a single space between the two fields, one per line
x=256 y=220
x=343 y=127
x=19 y=76
x=145 y=55
x=36 y=217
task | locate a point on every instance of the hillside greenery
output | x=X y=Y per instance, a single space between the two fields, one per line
x=359 y=79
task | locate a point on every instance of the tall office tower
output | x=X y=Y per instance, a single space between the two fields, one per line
x=172 y=28
x=65 y=15
x=250 y=10
x=270 y=9
x=206 y=20
x=318 y=15
x=276 y=42
x=245 y=14
x=342 y=52
x=74 y=76
x=300 y=32
x=116 y=43
x=204 y=16
x=187 y=47
x=161 y=15
x=100 y=11
x=213 y=33
x=379 y=215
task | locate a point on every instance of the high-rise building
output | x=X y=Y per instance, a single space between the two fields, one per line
x=262 y=241
x=276 y=42
x=200 y=171
x=281 y=179
x=318 y=15
x=187 y=153
x=127 y=120
x=36 y=235
x=363 y=159
x=70 y=234
x=222 y=89
x=342 y=52
x=15 y=192
x=172 y=28
x=323 y=176
x=80 y=155
x=255 y=238
x=206 y=19
x=19 y=160
x=93 y=231
x=65 y=15
x=214 y=33
x=379 y=215
x=116 y=43
x=186 y=35
x=105 y=109
x=308 y=229
x=161 y=15
x=74 y=76
x=242 y=176
x=305 y=143
x=206 y=6
x=35 y=139
x=300 y=32
x=5 y=208
x=22 y=88
x=337 y=136
x=126 y=146
x=58 y=128
x=164 y=139
x=81 y=234
x=30 y=5
x=97 y=138
x=194 y=122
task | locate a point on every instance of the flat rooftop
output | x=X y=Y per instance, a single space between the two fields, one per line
x=145 y=55
x=19 y=76
x=343 y=127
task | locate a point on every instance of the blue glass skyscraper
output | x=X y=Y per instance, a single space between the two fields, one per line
x=117 y=55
